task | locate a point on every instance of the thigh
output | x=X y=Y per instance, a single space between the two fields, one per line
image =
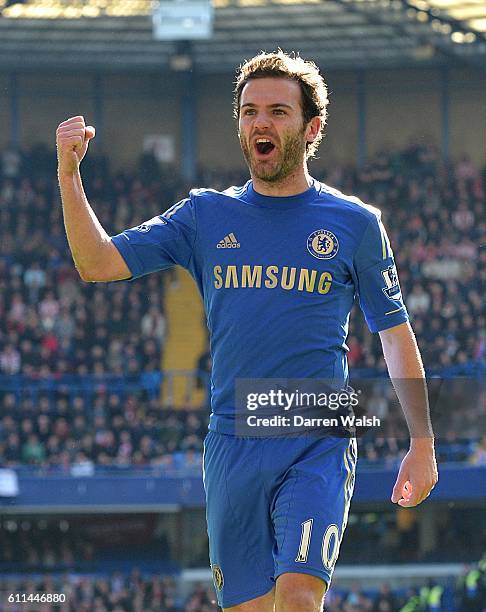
x=299 y=592
x=238 y=519
x=265 y=603
x=310 y=508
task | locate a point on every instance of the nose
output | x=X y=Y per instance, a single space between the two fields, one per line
x=261 y=121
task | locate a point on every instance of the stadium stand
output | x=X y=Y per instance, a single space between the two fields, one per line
x=75 y=543
x=79 y=431
x=434 y=215
x=115 y=593
x=139 y=593
x=54 y=326
x=81 y=379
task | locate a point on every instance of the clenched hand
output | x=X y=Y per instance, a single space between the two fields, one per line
x=418 y=474
x=72 y=139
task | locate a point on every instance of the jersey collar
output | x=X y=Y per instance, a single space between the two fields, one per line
x=282 y=203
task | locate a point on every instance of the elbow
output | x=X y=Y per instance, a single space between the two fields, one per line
x=87 y=276
x=100 y=276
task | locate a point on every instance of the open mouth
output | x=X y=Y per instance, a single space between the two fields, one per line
x=264 y=146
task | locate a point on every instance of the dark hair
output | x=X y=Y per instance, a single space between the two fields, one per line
x=306 y=73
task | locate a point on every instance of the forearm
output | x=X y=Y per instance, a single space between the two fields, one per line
x=406 y=371
x=87 y=239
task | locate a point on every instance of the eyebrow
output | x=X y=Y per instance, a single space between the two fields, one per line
x=279 y=104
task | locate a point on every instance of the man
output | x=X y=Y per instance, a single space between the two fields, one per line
x=278 y=263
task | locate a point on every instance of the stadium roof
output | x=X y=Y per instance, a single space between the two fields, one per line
x=118 y=34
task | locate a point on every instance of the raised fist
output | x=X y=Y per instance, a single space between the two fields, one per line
x=72 y=139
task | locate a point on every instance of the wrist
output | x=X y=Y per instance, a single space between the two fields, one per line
x=62 y=173
x=423 y=442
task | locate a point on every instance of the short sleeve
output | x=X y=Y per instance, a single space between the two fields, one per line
x=160 y=242
x=376 y=276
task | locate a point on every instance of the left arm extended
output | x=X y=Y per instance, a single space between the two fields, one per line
x=418 y=471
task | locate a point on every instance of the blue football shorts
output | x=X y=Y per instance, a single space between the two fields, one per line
x=274 y=505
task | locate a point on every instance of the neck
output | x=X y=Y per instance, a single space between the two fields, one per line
x=293 y=184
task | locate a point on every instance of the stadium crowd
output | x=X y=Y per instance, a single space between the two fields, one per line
x=74 y=432
x=435 y=219
x=52 y=322
x=138 y=593
x=117 y=593
x=53 y=325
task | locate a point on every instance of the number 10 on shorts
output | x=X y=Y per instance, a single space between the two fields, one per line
x=330 y=544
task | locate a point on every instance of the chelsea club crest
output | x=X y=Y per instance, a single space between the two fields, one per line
x=322 y=244
x=217 y=577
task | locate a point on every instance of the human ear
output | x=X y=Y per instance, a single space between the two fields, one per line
x=313 y=129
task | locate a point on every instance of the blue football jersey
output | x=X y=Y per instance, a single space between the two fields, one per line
x=278 y=277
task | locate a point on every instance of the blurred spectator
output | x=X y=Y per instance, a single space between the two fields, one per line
x=10 y=360
x=386 y=600
x=478 y=456
x=153 y=324
x=418 y=302
x=35 y=280
x=202 y=600
x=356 y=601
x=11 y=162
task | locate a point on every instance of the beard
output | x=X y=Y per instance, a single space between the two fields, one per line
x=288 y=157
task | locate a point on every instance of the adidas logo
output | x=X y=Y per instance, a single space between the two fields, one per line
x=228 y=242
